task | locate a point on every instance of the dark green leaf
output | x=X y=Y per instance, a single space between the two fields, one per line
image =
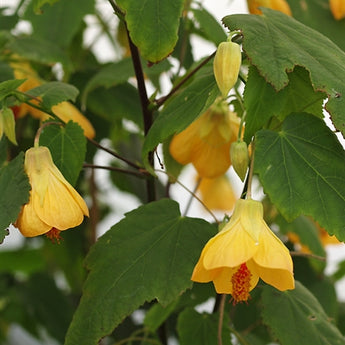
x=60 y=21
x=54 y=92
x=68 y=148
x=296 y=317
x=152 y=251
x=9 y=86
x=8 y=22
x=294 y=168
x=153 y=25
x=182 y=110
x=39 y=3
x=262 y=101
x=15 y=187
x=38 y=50
x=275 y=43
x=201 y=329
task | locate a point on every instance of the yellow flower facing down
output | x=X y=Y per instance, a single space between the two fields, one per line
x=65 y=111
x=54 y=203
x=278 y=5
x=217 y=193
x=206 y=143
x=242 y=252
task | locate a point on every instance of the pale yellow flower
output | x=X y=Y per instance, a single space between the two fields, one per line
x=217 y=193
x=65 y=111
x=206 y=143
x=242 y=252
x=278 y=5
x=53 y=202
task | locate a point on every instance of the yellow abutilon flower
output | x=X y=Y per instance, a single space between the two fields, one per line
x=337 y=8
x=206 y=142
x=242 y=252
x=54 y=204
x=65 y=111
x=217 y=193
x=278 y=5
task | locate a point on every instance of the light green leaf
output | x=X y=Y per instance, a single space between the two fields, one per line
x=15 y=187
x=182 y=110
x=148 y=255
x=68 y=148
x=201 y=329
x=296 y=317
x=275 y=43
x=54 y=92
x=262 y=101
x=153 y=25
x=295 y=170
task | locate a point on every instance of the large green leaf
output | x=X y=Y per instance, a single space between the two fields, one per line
x=153 y=25
x=262 y=101
x=182 y=110
x=296 y=317
x=9 y=87
x=302 y=169
x=201 y=329
x=58 y=21
x=149 y=254
x=68 y=148
x=276 y=43
x=15 y=187
x=54 y=92
x=312 y=13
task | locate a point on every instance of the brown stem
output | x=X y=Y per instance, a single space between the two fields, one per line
x=143 y=173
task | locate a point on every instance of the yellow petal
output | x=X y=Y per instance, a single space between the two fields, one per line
x=29 y=223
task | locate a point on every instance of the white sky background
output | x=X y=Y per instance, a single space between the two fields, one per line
x=122 y=202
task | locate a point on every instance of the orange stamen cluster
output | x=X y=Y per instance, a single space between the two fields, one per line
x=54 y=235
x=241 y=284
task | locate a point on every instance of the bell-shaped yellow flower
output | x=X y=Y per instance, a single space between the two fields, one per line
x=278 y=5
x=337 y=8
x=65 y=111
x=217 y=193
x=54 y=203
x=242 y=252
x=206 y=142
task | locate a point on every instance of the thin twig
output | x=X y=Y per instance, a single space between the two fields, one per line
x=161 y=100
x=143 y=173
x=221 y=318
x=192 y=196
x=308 y=255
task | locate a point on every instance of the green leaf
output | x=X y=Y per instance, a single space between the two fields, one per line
x=8 y=87
x=262 y=101
x=295 y=170
x=68 y=148
x=153 y=25
x=15 y=187
x=282 y=311
x=275 y=43
x=110 y=75
x=150 y=254
x=209 y=26
x=182 y=110
x=201 y=329
x=59 y=22
x=38 y=50
x=54 y=92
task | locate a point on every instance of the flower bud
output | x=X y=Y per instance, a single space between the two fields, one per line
x=278 y=5
x=337 y=8
x=240 y=158
x=226 y=66
x=7 y=125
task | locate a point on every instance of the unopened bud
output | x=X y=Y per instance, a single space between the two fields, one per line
x=226 y=66
x=337 y=8
x=240 y=158
x=7 y=125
